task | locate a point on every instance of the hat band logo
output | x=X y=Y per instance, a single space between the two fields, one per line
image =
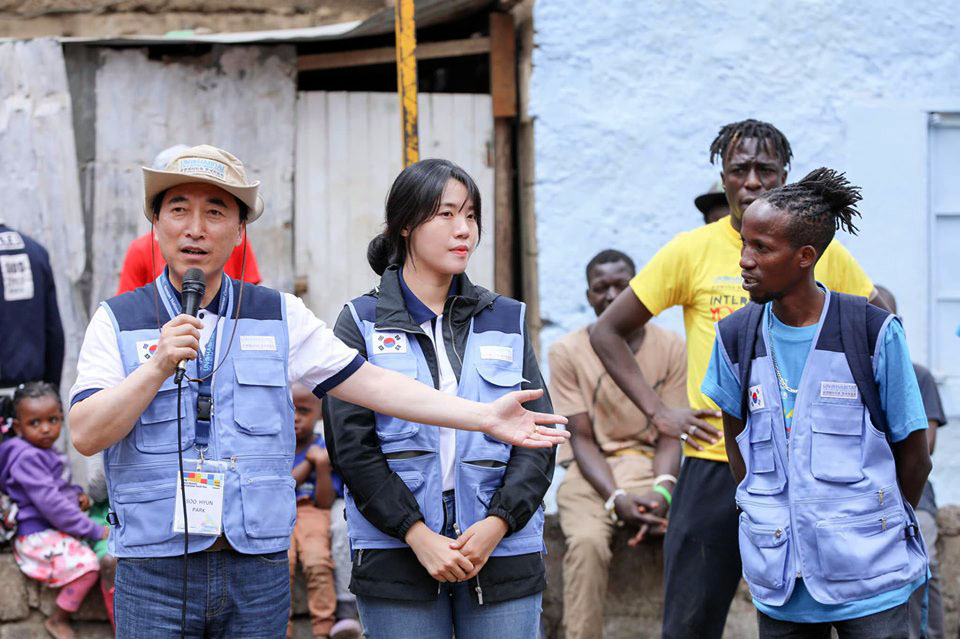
x=202 y=166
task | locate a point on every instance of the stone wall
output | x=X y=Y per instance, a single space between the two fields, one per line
x=24 y=604
x=632 y=611
x=34 y=18
x=635 y=594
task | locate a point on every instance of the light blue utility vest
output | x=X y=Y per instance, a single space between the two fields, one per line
x=492 y=366
x=825 y=505
x=251 y=436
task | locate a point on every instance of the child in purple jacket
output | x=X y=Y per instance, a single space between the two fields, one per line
x=50 y=519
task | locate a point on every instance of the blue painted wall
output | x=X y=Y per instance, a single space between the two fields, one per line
x=628 y=95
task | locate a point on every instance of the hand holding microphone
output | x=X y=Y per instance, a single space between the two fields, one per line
x=180 y=337
x=192 y=290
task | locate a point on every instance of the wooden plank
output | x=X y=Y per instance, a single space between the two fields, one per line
x=241 y=99
x=503 y=65
x=503 y=201
x=39 y=167
x=340 y=202
x=406 y=31
x=388 y=55
x=525 y=152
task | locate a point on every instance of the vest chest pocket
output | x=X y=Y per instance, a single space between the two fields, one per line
x=862 y=547
x=837 y=442
x=390 y=428
x=260 y=395
x=495 y=382
x=763 y=550
x=766 y=476
x=157 y=431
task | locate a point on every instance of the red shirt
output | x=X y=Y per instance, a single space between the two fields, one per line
x=136 y=265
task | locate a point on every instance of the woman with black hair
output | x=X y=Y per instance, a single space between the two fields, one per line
x=446 y=527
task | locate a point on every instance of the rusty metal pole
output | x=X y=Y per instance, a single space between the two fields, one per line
x=406 y=31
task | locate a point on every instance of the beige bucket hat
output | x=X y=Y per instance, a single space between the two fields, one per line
x=207 y=164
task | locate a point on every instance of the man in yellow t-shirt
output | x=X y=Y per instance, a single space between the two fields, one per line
x=700 y=271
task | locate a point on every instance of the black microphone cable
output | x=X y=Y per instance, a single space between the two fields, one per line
x=183 y=499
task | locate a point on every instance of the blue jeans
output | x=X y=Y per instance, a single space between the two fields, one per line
x=453 y=611
x=229 y=595
x=888 y=624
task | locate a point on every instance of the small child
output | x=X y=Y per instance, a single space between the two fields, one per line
x=310 y=543
x=50 y=519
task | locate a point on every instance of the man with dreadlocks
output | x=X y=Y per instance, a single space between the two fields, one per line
x=699 y=270
x=818 y=390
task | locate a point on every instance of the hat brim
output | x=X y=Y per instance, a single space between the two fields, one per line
x=708 y=201
x=155 y=182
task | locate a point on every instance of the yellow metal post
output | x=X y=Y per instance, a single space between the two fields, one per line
x=407 y=79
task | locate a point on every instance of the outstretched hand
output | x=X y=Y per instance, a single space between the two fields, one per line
x=513 y=424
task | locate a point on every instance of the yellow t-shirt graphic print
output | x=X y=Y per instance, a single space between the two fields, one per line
x=700 y=271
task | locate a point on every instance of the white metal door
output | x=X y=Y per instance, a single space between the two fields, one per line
x=348 y=153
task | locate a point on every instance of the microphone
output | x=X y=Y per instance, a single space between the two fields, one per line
x=192 y=289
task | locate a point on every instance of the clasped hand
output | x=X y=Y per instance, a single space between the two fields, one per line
x=647 y=513
x=460 y=559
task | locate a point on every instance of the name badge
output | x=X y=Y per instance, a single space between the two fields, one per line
x=258 y=343
x=394 y=342
x=500 y=353
x=755 y=394
x=839 y=390
x=17 y=277
x=204 y=503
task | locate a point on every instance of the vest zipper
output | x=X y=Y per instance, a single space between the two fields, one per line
x=359 y=557
x=880 y=497
x=453 y=338
x=479 y=591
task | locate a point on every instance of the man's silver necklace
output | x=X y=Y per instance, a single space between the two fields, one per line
x=784 y=387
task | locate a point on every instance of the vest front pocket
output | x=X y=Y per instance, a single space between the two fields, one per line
x=764 y=552
x=495 y=382
x=157 y=431
x=269 y=505
x=145 y=512
x=766 y=476
x=862 y=547
x=260 y=395
x=837 y=442
x=390 y=428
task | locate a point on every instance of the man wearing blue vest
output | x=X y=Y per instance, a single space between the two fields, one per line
x=818 y=391
x=232 y=419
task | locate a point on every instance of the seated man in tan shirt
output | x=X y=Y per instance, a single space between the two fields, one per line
x=620 y=472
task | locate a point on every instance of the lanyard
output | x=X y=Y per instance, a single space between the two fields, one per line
x=205 y=361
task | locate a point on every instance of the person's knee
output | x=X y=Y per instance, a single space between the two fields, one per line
x=589 y=547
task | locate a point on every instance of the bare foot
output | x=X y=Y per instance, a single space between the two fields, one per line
x=59 y=629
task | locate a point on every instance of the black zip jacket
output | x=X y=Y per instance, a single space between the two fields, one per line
x=384 y=499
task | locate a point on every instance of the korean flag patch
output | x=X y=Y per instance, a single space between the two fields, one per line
x=146 y=349
x=755 y=395
x=393 y=342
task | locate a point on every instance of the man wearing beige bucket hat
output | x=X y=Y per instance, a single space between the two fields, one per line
x=231 y=419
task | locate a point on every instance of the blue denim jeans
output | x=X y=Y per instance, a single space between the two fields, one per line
x=453 y=611
x=888 y=624
x=229 y=595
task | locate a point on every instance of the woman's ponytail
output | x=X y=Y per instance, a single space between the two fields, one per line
x=379 y=253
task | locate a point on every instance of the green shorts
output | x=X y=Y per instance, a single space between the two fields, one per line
x=98 y=513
